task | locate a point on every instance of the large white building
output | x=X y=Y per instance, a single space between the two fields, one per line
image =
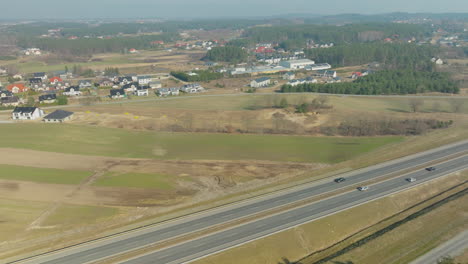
x=297 y=64
x=26 y=113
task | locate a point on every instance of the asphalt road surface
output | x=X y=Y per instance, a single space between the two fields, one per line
x=158 y=233
x=452 y=248
x=216 y=242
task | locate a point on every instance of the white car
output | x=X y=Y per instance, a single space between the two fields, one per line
x=410 y=179
x=363 y=188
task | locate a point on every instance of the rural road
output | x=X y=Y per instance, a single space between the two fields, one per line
x=453 y=248
x=160 y=232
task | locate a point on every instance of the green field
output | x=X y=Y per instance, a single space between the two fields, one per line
x=247 y=101
x=73 y=215
x=135 y=180
x=20 y=173
x=113 y=142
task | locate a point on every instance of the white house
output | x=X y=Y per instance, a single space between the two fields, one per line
x=289 y=76
x=163 y=92
x=174 y=91
x=142 y=91
x=26 y=113
x=144 y=80
x=297 y=64
x=72 y=91
x=260 y=82
x=41 y=75
x=155 y=84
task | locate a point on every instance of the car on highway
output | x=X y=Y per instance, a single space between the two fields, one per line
x=363 y=188
x=338 y=180
x=430 y=168
x=410 y=179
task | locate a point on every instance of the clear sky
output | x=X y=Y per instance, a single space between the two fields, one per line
x=30 y=9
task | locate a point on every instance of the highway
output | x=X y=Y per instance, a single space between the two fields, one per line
x=226 y=239
x=158 y=233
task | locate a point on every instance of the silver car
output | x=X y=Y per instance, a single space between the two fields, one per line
x=363 y=188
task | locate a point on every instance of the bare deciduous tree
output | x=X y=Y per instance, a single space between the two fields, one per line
x=416 y=104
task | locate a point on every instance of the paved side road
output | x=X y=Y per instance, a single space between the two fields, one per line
x=452 y=248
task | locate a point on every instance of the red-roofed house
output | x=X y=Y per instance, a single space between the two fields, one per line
x=17 y=88
x=356 y=75
x=55 y=80
x=157 y=42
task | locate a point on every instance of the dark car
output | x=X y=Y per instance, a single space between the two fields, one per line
x=338 y=180
x=430 y=169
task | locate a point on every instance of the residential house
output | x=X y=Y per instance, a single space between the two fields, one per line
x=17 y=88
x=163 y=92
x=142 y=91
x=131 y=87
x=66 y=75
x=117 y=93
x=55 y=80
x=260 y=82
x=35 y=82
x=18 y=76
x=26 y=113
x=41 y=75
x=106 y=82
x=85 y=83
x=144 y=80
x=289 y=76
x=192 y=88
x=125 y=80
x=3 y=71
x=174 y=91
x=326 y=73
x=10 y=101
x=5 y=93
x=58 y=116
x=72 y=91
x=47 y=98
x=155 y=84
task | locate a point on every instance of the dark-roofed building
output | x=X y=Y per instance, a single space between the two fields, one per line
x=58 y=116
x=72 y=91
x=35 y=81
x=26 y=113
x=5 y=93
x=47 y=98
x=10 y=101
x=117 y=93
x=260 y=82
x=41 y=75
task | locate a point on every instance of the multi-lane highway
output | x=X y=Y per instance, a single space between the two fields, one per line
x=241 y=234
x=158 y=233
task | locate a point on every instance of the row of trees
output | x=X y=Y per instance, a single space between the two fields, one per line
x=351 y=33
x=392 y=56
x=367 y=127
x=227 y=54
x=87 y=47
x=202 y=76
x=384 y=82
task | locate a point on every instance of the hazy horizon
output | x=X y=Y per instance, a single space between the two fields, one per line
x=179 y=9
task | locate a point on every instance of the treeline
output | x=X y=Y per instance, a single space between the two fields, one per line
x=391 y=56
x=89 y=46
x=202 y=76
x=384 y=82
x=106 y=29
x=351 y=33
x=227 y=54
x=363 y=127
